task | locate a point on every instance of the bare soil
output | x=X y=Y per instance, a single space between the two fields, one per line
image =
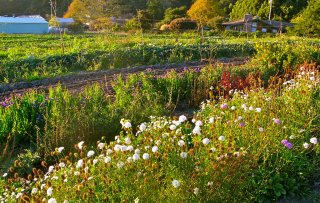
x=77 y=81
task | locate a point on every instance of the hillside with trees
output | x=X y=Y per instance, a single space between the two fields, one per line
x=32 y=7
x=154 y=14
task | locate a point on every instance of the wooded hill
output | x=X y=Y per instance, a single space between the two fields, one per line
x=32 y=7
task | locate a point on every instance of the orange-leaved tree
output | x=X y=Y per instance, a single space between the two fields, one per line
x=86 y=10
x=204 y=10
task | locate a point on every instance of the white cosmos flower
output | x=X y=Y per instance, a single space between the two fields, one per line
x=258 y=110
x=211 y=120
x=154 y=149
x=107 y=159
x=5 y=175
x=60 y=149
x=130 y=148
x=135 y=157
x=127 y=140
x=173 y=127
x=127 y=125
x=196 y=130
x=182 y=118
x=314 y=140
x=261 y=129
x=123 y=148
x=90 y=153
x=34 y=190
x=109 y=151
x=142 y=127
x=233 y=108
x=183 y=155
x=62 y=165
x=222 y=138
x=79 y=163
x=193 y=120
x=175 y=183
x=206 y=141
x=196 y=191
x=51 y=168
x=49 y=191
x=52 y=200
x=210 y=183
x=199 y=123
x=145 y=156
x=19 y=195
x=251 y=108
x=117 y=147
x=101 y=145
x=306 y=145
x=80 y=145
x=239 y=118
x=95 y=161
x=181 y=143
x=176 y=123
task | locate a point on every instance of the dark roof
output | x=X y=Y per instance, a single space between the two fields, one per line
x=272 y=23
x=239 y=22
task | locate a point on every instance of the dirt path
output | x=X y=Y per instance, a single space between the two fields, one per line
x=77 y=81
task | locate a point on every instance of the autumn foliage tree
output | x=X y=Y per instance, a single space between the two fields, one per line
x=204 y=10
x=85 y=10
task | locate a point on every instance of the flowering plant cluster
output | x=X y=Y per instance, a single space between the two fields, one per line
x=258 y=143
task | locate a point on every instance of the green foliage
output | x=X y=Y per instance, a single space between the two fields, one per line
x=216 y=23
x=155 y=9
x=89 y=53
x=281 y=10
x=173 y=13
x=31 y=7
x=308 y=23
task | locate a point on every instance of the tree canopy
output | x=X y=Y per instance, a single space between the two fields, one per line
x=281 y=9
x=309 y=20
x=204 y=10
x=32 y=7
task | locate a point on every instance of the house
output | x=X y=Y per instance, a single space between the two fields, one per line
x=65 y=22
x=253 y=24
x=23 y=25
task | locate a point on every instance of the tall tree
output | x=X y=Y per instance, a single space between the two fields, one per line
x=281 y=9
x=86 y=10
x=309 y=20
x=204 y=10
x=155 y=9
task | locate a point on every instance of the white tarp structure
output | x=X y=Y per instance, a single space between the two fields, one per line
x=23 y=25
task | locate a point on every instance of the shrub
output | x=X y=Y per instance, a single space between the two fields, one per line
x=183 y=24
x=216 y=23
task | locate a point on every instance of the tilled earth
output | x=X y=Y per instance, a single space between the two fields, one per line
x=77 y=81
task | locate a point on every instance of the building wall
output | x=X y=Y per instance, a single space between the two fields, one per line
x=23 y=28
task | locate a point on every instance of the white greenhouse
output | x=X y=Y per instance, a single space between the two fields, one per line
x=23 y=25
